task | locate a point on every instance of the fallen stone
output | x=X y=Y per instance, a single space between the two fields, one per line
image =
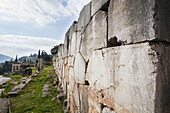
x=46 y=90
x=14 y=82
x=17 y=89
x=4 y=79
x=138 y=21
x=48 y=76
x=1 y=92
x=34 y=75
x=95 y=36
x=53 y=99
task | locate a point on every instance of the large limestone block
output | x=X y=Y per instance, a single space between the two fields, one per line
x=71 y=81
x=72 y=38
x=78 y=41
x=73 y=27
x=97 y=5
x=73 y=47
x=83 y=89
x=66 y=44
x=133 y=21
x=94 y=106
x=95 y=35
x=79 y=69
x=60 y=51
x=71 y=61
x=133 y=78
x=77 y=98
x=84 y=17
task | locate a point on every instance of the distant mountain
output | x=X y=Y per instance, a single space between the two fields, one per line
x=4 y=58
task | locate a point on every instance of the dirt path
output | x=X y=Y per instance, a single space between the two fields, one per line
x=3 y=105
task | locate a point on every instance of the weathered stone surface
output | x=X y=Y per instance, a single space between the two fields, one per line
x=71 y=82
x=96 y=5
x=84 y=99
x=71 y=61
x=60 y=51
x=66 y=44
x=84 y=18
x=78 y=42
x=134 y=71
x=17 y=89
x=107 y=110
x=94 y=106
x=46 y=91
x=163 y=28
x=95 y=35
x=4 y=79
x=72 y=38
x=138 y=21
x=73 y=27
x=132 y=78
x=73 y=47
x=79 y=69
x=77 y=98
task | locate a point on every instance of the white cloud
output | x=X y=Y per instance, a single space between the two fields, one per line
x=25 y=45
x=41 y=12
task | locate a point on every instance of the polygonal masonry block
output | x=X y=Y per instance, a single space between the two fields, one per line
x=138 y=75
x=132 y=21
x=73 y=44
x=97 y=5
x=84 y=18
x=83 y=92
x=95 y=35
x=79 y=69
x=72 y=39
x=66 y=44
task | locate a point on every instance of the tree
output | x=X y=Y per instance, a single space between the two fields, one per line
x=54 y=50
x=46 y=57
x=1 y=71
x=39 y=56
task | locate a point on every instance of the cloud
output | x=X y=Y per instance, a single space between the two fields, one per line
x=41 y=12
x=25 y=45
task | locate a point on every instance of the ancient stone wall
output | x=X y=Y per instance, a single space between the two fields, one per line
x=116 y=58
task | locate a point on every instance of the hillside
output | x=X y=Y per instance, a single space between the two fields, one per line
x=4 y=58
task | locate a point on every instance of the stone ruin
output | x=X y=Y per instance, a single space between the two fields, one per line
x=23 y=69
x=116 y=58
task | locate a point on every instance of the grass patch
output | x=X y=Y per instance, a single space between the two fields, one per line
x=16 y=76
x=30 y=99
x=33 y=70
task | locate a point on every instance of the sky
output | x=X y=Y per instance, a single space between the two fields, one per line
x=29 y=25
